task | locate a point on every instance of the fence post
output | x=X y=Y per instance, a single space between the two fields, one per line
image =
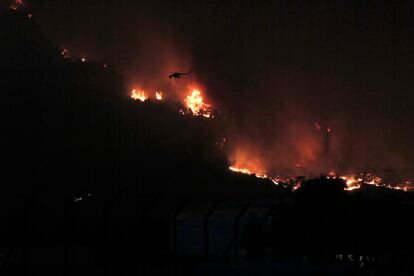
x=236 y=230
x=206 y=228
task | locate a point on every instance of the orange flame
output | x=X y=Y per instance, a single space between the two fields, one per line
x=158 y=95
x=275 y=180
x=138 y=95
x=196 y=104
x=241 y=170
x=193 y=102
x=352 y=183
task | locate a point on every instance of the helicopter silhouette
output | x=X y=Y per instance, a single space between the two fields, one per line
x=177 y=75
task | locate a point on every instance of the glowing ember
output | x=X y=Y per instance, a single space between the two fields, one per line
x=158 y=95
x=17 y=4
x=195 y=103
x=138 y=95
x=65 y=53
x=83 y=59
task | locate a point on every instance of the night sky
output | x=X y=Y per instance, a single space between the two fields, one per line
x=275 y=68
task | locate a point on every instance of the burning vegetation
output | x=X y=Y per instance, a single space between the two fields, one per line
x=138 y=95
x=194 y=102
x=158 y=95
x=352 y=181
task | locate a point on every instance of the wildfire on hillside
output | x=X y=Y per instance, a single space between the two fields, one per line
x=352 y=181
x=196 y=106
x=243 y=163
